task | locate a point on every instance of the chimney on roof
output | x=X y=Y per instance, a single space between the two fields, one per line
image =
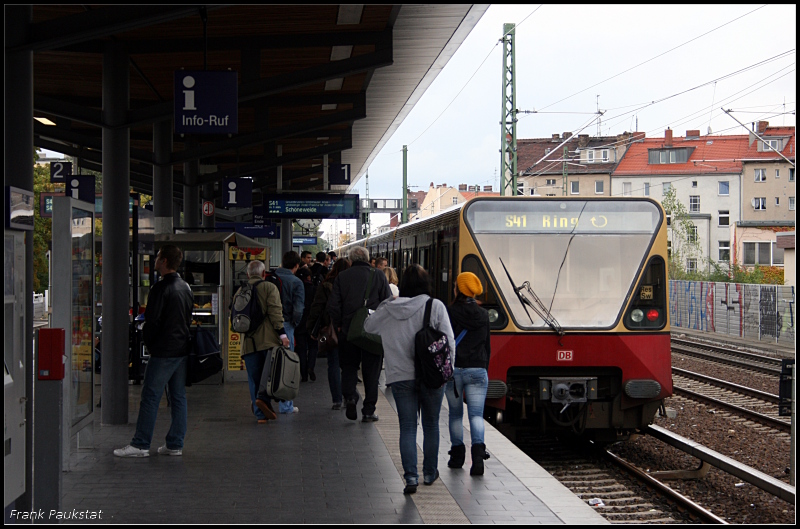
x=432 y=185
x=487 y=188
x=473 y=188
x=692 y=134
x=583 y=140
x=566 y=135
x=639 y=136
x=762 y=126
x=462 y=187
x=668 y=137
x=556 y=136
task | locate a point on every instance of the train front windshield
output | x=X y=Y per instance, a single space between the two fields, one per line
x=580 y=258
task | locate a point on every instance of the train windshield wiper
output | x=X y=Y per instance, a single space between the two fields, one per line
x=524 y=292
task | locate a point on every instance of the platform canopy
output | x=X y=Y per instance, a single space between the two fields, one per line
x=312 y=80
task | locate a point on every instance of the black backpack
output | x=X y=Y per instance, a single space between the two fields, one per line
x=246 y=313
x=432 y=353
x=273 y=278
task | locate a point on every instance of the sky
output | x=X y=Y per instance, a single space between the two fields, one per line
x=646 y=67
x=567 y=56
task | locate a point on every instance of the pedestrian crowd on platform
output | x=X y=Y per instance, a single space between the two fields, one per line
x=312 y=305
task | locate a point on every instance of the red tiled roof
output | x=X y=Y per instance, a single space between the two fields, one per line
x=529 y=151
x=788 y=149
x=710 y=154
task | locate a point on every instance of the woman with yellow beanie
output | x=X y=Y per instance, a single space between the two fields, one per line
x=470 y=380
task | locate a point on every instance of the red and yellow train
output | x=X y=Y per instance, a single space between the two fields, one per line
x=576 y=290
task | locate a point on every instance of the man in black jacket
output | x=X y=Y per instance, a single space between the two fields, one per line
x=347 y=297
x=166 y=333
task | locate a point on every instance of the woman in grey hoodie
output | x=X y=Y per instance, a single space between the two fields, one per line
x=397 y=321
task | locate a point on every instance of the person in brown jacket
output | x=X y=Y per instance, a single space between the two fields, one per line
x=318 y=318
x=269 y=334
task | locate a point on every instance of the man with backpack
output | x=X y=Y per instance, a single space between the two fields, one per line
x=264 y=331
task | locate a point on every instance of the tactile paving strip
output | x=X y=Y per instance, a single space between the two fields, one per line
x=434 y=503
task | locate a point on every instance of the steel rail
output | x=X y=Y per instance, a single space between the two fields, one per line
x=682 y=501
x=755 y=477
x=728 y=361
x=752 y=415
x=730 y=386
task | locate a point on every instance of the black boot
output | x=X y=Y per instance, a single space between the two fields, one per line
x=457 y=455
x=478 y=455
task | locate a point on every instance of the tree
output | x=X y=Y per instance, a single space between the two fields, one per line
x=42 y=229
x=683 y=238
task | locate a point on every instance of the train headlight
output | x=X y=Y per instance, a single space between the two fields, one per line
x=493 y=315
x=637 y=315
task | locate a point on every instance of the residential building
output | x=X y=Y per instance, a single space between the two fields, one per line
x=440 y=197
x=567 y=165
x=705 y=173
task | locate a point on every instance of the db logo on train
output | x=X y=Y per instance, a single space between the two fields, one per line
x=564 y=356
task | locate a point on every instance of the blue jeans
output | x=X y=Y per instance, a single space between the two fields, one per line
x=161 y=373
x=410 y=399
x=254 y=362
x=335 y=376
x=472 y=383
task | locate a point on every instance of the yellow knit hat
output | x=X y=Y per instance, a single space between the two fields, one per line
x=469 y=284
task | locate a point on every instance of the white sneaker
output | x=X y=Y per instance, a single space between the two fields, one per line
x=164 y=451
x=131 y=451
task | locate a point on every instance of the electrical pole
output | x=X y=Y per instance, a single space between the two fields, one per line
x=508 y=118
x=404 y=219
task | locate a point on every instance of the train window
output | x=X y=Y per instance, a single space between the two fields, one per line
x=579 y=258
x=488 y=300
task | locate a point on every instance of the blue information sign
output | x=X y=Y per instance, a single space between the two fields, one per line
x=206 y=102
x=237 y=193
x=81 y=188
x=311 y=206
x=304 y=241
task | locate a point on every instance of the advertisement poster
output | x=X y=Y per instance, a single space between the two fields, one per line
x=235 y=362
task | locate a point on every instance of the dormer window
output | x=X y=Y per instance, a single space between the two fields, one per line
x=590 y=155
x=664 y=156
x=775 y=144
x=605 y=155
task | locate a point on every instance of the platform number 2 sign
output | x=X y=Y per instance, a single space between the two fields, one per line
x=59 y=171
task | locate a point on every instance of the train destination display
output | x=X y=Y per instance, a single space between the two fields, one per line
x=311 y=206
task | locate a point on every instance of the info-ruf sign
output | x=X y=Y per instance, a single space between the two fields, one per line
x=206 y=102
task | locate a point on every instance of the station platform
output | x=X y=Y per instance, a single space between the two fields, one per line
x=314 y=466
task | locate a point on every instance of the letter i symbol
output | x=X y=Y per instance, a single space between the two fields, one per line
x=188 y=95
x=74 y=183
x=232 y=192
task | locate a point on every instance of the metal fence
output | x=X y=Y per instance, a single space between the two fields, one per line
x=761 y=312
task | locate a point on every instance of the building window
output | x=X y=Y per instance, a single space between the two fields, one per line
x=547 y=150
x=691 y=265
x=694 y=203
x=626 y=189
x=598 y=187
x=724 y=218
x=694 y=183
x=605 y=154
x=533 y=192
x=791 y=175
x=520 y=189
x=777 y=173
x=669 y=249
x=724 y=250
x=692 y=234
x=590 y=155
x=669 y=219
x=657 y=156
x=724 y=189
x=761 y=175
x=759 y=203
x=550 y=182
x=666 y=186
x=455 y=200
x=574 y=188
x=791 y=203
x=775 y=144
x=777 y=201
x=762 y=253
x=647 y=189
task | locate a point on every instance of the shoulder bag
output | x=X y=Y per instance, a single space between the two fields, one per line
x=356 y=335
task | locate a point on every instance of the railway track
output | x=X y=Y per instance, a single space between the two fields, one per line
x=753 y=404
x=750 y=361
x=619 y=491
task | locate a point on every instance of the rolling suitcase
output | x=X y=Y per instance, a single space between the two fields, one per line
x=280 y=378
